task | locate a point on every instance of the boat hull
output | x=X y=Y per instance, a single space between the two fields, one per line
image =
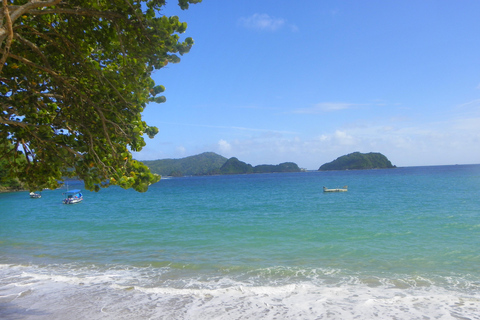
x=72 y=201
x=344 y=189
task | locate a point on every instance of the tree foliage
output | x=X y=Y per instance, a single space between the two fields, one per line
x=75 y=76
x=6 y=181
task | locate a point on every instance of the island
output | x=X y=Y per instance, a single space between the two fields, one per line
x=235 y=166
x=197 y=165
x=358 y=161
x=210 y=163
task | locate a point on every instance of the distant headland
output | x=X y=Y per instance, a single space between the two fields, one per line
x=358 y=161
x=210 y=163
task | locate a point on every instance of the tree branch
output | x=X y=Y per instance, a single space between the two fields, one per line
x=9 y=31
x=17 y=11
x=80 y=12
x=13 y=123
x=34 y=48
x=32 y=64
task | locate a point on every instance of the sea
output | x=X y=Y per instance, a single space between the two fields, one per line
x=402 y=243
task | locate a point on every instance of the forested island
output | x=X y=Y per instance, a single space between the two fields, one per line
x=210 y=163
x=235 y=166
x=358 y=161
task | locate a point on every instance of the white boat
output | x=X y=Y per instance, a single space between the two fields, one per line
x=73 y=196
x=35 y=195
x=344 y=189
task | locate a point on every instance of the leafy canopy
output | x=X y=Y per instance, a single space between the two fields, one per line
x=74 y=78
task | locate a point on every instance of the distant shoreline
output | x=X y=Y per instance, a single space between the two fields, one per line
x=7 y=190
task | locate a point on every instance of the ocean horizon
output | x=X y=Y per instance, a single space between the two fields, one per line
x=402 y=243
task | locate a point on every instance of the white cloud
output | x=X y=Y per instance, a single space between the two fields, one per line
x=405 y=141
x=325 y=107
x=180 y=150
x=468 y=125
x=344 y=138
x=262 y=22
x=337 y=138
x=229 y=127
x=294 y=28
x=473 y=105
x=224 y=147
x=408 y=144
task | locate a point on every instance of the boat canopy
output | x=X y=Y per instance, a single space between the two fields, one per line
x=74 y=191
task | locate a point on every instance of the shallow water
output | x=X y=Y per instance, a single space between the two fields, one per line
x=400 y=244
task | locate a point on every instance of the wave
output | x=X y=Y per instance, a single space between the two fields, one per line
x=125 y=292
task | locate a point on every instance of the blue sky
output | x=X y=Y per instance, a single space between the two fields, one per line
x=309 y=81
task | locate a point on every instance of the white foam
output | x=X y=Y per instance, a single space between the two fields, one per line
x=136 y=293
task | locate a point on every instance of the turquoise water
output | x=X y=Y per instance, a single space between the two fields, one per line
x=400 y=244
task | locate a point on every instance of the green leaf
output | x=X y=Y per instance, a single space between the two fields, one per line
x=80 y=110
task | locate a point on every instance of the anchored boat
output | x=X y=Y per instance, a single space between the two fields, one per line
x=344 y=189
x=35 y=195
x=73 y=196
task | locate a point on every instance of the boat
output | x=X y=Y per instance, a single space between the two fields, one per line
x=344 y=189
x=73 y=196
x=35 y=195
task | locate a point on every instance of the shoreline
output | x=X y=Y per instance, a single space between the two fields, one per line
x=8 y=190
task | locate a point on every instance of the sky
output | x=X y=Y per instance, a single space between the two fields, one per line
x=273 y=81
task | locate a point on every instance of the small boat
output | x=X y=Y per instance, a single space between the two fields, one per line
x=73 y=196
x=35 y=195
x=344 y=189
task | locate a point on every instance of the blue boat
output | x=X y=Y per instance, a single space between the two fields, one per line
x=73 y=196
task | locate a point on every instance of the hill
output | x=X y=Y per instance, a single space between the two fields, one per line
x=235 y=166
x=282 y=167
x=202 y=164
x=358 y=161
x=209 y=163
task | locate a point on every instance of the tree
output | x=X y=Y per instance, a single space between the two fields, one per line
x=7 y=182
x=75 y=76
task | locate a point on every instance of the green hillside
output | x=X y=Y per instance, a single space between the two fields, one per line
x=209 y=163
x=358 y=161
x=202 y=164
x=282 y=167
x=235 y=166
